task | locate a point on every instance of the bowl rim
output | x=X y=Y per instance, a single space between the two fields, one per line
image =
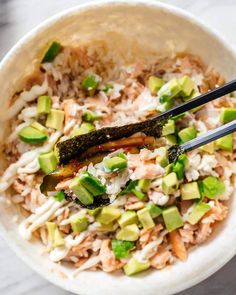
x=77 y=9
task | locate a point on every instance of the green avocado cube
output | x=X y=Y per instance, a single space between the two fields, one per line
x=84 y=128
x=47 y=162
x=79 y=223
x=154 y=84
x=115 y=164
x=171 y=139
x=168 y=128
x=94 y=212
x=32 y=136
x=39 y=127
x=169 y=90
x=170 y=183
x=187 y=134
x=227 y=115
x=212 y=187
x=198 y=212
x=209 y=147
x=172 y=218
x=225 y=143
x=154 y=210
x=92 y=184
x=54 y=235
x=162 y=156
x=55 y=119
x=108 y=215
x=192 y=96
x=133 y=266
x=178 y=168
x=80 y=191
x=128 y=233
x=106 y=227
x=145 y=218
x=186 y=85
x=144 y=184
x=190 y=191
x=43 y=105
x=128 y=217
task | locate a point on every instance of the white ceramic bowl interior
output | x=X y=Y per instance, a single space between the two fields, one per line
x=139 y=27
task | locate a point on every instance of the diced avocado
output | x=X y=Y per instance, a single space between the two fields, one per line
x=91 y=116
x=170 y=183
x=162 y=156
x=106 y=227
x=121 y=155
x=178 y=168
x=194 y=95
x=114 y=164
x=144 y=184
x=212 y=187
x=55 y=119
x=43 y=105
x=179 y=117
x=128 y=217
x=183 y=159
x=225 y=143
x=168 y=128
x=59 y=196
x=90 y=84
x=128 y=233
x=84 y=128
x=186 y=85
x=209 y=148
x=198 y=212
x=134 y=266
x=121 y=249
x=108 y=215
x=48 y=162
x=39 y=127
x=154 y=84
x=137 y=192
x=187 y=134
x=190 y=191
x=172 y=218
x=171 y=139
x=227 y=115
x=169 y=90
x=54 y=235
x=145 y=218
x=79 y=223
x=92 y=184
x=93 y=212
x=52 y=52
x=81 y=192
x=169 y=168
x=154 y=210
x=32 y=136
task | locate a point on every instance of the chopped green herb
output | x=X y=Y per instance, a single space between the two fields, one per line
x=114 y=164
x=121 y=249
x=128 y=189
x=52 y=52
x=90 y=84
x=137 y=192
x=107 y=88
x=59 y=196
x=91 y=117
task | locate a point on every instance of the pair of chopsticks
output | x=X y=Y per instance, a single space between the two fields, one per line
x=79 y=144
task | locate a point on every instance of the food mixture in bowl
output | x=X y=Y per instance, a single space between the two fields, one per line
x=121 y=205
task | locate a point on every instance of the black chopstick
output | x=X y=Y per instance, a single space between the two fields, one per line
x=200 y=100
x=201 y=140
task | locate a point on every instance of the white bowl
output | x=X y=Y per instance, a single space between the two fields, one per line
x=157 y=27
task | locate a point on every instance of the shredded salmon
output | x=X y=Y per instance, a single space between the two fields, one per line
x=161 y=258
x=178 y=245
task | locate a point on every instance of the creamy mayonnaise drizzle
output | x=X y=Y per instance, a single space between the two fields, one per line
x=24 y=97
x=27 y=163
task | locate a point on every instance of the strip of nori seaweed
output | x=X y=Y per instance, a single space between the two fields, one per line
x=74 y=147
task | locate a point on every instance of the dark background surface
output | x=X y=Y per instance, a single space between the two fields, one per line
x=17 y=17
